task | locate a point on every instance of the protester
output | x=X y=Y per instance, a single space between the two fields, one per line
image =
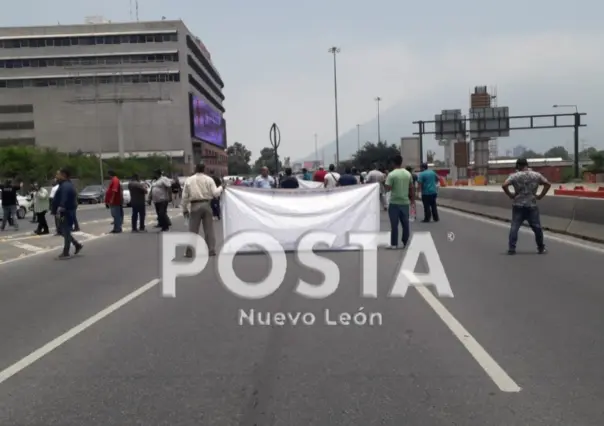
x=113 y=198
x=319 y=175
x=160 y=196
x=264 y=179
x=359 y=177
x=176 y=191
x=428 y=185
x=215 y=203
x=331 y=178
x=138 y=195
x=289 y=181
x=526 y=183
x=306 y=175
x=400 y=185
x=41 y=207
x=64 y=206
x=348 y=178
x=10 y=201
x=200 y=189
x=376 y=176
x=53 y=193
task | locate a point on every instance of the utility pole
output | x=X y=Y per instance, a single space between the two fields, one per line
x=576 y=125
x=334 y=51
x=377 y=100
x=316 y=149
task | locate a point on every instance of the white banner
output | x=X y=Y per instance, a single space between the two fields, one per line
x=309 y=184
x=289 y=214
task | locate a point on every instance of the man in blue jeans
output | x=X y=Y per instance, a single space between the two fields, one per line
x=399 y=184
x=113 y=198
x=524 y=207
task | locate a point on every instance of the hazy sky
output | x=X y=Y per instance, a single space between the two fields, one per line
x=273 y=56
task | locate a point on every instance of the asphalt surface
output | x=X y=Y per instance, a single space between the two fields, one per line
x=187 y=361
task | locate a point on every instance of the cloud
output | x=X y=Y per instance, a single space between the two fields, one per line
x=301 y=102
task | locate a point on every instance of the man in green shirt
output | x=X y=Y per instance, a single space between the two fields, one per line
x=402 y=194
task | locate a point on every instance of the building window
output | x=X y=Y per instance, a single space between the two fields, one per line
x=205 y=93
x=87 y=40
x=17 y=125
x=17 y=141
x=86 y=60
x=16 y=109
x=89 y=81
x=204 y=77
x=193 y=47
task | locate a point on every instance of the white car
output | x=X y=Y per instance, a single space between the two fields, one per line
x=24 y=204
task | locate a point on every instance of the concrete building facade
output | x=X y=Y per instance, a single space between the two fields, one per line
x=110 y=89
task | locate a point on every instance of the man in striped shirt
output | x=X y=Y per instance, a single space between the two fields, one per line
x=41 y=206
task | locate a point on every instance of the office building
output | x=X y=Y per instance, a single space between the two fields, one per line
x=518 y=151
x=113 y=89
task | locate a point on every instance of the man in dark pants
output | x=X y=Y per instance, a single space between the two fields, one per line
x=160 y=195
x=138 y=195
x=64 y=205
x=400 y=185
x=428 y=185
x=524 y=207
x=215 y=203
x=10 y=204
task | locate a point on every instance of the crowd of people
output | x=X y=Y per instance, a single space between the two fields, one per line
x=200 y=199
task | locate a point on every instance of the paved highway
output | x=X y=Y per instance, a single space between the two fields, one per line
x=521 y=343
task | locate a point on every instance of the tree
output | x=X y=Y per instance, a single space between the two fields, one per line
x=597 y=165
x=371 y=153
x=239 y=159
x=557 y=152
x=430 y=155
x=266 y=159
x=31 y=164
x=587 y=153
x=530 y=154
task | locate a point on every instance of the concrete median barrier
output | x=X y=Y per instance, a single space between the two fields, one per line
x=578 y=217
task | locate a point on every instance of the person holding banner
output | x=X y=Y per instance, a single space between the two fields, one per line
x=289 y=181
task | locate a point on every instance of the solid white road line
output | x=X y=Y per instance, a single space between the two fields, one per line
x=503 y=381
x=65 y=337
x=565 y=239
x=28 y=247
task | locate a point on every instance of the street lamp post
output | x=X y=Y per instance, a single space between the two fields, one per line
x=316 y=149
x=358 y=137
x=577 y=124
x=378 y=100
x=334 y=51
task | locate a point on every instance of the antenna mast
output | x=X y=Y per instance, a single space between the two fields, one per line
x=131 y=17
x=136 y=2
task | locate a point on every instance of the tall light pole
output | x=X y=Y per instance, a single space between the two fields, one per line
x=316 y=149
x=358 y=137
x=577 y=168
x=377 y=100
x=334 y=51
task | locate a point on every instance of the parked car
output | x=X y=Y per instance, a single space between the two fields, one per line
x=92 y=194
x=24 y=205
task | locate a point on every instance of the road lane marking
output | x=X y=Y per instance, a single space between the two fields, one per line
x=23 y=256
x=503 y=381
x=84 y=234
x=28 y=247
x=567 y=239
x=65 y=337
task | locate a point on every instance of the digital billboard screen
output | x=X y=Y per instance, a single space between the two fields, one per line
x=207 y=123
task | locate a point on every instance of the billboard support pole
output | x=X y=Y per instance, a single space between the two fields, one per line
x=274 y=135
x=576 y=147
x=420 y=133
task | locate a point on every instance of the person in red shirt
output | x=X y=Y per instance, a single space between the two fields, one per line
x=113 y=199
x=320 y=175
